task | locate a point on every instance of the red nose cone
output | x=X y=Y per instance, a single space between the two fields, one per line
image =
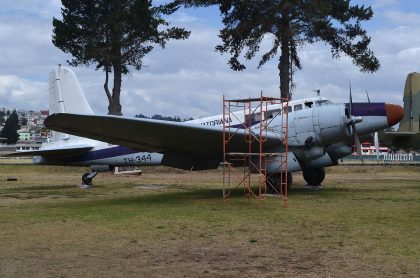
x=394 y=113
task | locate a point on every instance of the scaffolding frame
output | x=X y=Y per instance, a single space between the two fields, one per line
x=254 y=160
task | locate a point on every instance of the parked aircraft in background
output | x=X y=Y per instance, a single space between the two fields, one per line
x=320 y=132
x=408 y=135
x=66 y=96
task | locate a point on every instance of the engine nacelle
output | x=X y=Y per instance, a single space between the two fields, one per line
x=312 y=153
x=321 y=125
x=101 y=168
x=339 y=150
x=330 y=124
x=274 y=165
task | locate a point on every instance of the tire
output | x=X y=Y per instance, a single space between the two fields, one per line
x=86 y=180
x=314 y=176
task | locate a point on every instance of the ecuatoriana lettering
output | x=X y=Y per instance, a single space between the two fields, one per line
x=217 y=122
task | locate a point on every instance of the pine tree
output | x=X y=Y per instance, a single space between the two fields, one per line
x=291 y=24
x=10 y=129
x=114 y=35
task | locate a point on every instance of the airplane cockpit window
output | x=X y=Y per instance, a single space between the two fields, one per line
x=322 y=102
x=298 y=107
x=288 y=108
x=308 y=104
x=256 y=117
x=273 y=113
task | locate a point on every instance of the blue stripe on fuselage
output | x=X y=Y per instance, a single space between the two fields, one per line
x=367 y=109
x=101 y=154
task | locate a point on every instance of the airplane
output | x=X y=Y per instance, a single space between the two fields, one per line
x=408 y=135
x=66 y=96
x=320 y=133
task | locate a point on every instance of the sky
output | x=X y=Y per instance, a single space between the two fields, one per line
x=188 y=78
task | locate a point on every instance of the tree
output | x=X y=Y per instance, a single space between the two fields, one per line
x=291 y=24
x=10 y=129
x=24 y=121
x=114 y=35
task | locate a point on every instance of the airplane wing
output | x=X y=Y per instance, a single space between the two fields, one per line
x=154 y=135
x=52 y=153
x=387 y=137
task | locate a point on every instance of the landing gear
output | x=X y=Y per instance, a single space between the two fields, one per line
x=314 y=176
x=88 y=177
x=274 y=180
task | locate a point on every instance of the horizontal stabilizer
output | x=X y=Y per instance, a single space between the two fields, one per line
x=154 y=135
x=53 y=153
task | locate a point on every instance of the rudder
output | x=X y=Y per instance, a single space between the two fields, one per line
x=65 y=93
x=411 y=119
x=66 y=96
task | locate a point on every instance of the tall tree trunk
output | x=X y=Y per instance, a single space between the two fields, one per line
x=114 y=107
x=284 y=63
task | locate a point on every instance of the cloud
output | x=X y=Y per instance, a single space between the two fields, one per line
x=19 y=93
x=402 y=18
x=378 y=4
x=188 y=78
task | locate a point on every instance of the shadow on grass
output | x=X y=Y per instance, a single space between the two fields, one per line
x=214 y=195
x=41 y=187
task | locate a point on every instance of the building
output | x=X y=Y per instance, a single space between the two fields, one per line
x=27 y=147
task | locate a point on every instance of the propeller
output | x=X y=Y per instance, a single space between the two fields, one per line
x=376 y=142
x=352 y=122
x=375 y=134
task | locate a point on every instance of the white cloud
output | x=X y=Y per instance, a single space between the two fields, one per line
x=20 y=93
x=403 y=18
x=188 y=78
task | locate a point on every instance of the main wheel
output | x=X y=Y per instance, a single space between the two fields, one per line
x=86 y=180
x=314 y=176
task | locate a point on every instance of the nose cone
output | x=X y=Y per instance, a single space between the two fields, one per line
x=394 y=113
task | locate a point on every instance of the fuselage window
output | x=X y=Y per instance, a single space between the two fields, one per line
x=273 y=113
x=256 y=117
x=253 y=117
x=298 y=107
x=309 y=104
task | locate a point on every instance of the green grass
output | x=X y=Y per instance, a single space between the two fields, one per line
x=363 y=223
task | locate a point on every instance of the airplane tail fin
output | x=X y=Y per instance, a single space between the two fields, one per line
x=411 y=119
x=66 y=96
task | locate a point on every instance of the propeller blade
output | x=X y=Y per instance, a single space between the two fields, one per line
x=357 y=142
x=351 y=99
x=376 y=142
x=367 y=95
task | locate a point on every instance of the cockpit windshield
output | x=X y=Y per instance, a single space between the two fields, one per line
x=322 y=102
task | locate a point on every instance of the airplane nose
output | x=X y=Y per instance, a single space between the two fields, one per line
x=394 y=113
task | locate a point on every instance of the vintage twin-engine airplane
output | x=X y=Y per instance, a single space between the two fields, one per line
x=320 y=132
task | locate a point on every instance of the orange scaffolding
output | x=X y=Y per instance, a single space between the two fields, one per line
x=258 y=117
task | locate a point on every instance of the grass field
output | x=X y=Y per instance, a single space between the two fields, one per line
x=171 y=223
